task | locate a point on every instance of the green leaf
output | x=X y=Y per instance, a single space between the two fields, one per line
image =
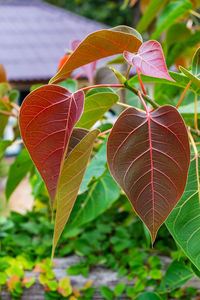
x=99 y=90
x=187 y=111
x=13 y=96
x=101 y=195
x=3 y=278
x=106 y=292
x=117 y=60
x=70 y=84
x=178 y=32
x=196 y=63
x=3 y=146
x=4 y=88
x=170 y=14
x=193 y=78
x=96 y=167
x=70 y=180
x=179 y=48
x=177 y=274
x=184 y=221
x=18 y=171
x=95 y=107
x=119 y=289
x=150 y=13
x=180 y=80
x=148 y=296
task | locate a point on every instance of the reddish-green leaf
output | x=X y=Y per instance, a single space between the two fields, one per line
x=149 y=157
x=47 y=118
x=98 y=45
x=70 y=179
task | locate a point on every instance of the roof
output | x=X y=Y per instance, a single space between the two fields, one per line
x=35 y=35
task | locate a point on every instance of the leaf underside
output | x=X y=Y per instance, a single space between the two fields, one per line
x=70 y=180
x=47 y=118
x=98 y=45
x=149 y=157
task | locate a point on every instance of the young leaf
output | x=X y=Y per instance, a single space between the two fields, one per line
x=95 y=107
x=150 y=13
x=196 y=64
x=46 y=120
x=193 y=78
x=98 y=45
x=171 y=12
x=184 y=221
x=149 y=156
x=70 y=180
x=148 y=296
x=177 y=274
x=149 y=60
x=18 y=171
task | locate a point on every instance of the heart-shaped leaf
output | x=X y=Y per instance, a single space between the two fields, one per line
x=89 y=69
x=149 y=156
x=70 y=180
x=98 y=45
x=47 y=118
x=149 y=60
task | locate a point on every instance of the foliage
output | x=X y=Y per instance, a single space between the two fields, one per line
x=148 y=154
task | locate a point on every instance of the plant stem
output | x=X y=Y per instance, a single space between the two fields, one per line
x=144 y=104
x=196 y=14
x=183 y=94
x=195 y=113
x=102 y=85
x=145 y=97
x=141 y=83
x=129 y=68
x=7 y=113
x=14 y=105
x=123 y=104
x=105 y=132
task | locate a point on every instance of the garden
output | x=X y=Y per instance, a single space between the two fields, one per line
x=112 y=163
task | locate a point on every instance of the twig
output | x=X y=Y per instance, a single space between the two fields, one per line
x=183 y=94
x=7 y=113
x=105 y=132
x=196 y=14
x=14 y=105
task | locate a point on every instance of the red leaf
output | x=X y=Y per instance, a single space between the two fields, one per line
x=47 y=118
x=89 y=69
x=149 y=60
x=149 y=157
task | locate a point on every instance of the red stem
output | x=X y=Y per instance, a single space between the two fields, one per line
x=102 y=85
x=104 y=132
x=142 y=100
x=141 y=83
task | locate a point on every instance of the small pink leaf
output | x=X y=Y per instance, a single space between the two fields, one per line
x=149 y=60
x=89 y=69
x=47 y=118
x=149 y=156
